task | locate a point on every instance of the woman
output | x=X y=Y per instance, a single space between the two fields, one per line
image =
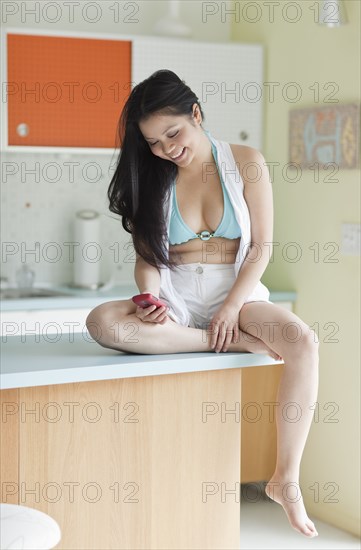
x=172 y=183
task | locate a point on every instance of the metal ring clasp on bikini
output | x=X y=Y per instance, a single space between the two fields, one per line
x=205 y=235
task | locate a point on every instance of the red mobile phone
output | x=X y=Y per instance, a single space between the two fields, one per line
x=147 y=299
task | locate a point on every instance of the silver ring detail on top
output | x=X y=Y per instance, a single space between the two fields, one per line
x=205 y=235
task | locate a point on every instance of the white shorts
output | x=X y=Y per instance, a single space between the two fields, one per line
x=204 y=288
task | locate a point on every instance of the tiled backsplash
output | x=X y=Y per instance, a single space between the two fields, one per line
x=40 y=194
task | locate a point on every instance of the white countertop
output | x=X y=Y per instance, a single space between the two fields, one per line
x=35 y=361
x=77 y=297
x=80 y=298
x=46 y=359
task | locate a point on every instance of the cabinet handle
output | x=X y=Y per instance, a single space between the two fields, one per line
x=243 y=135
x=22 y=129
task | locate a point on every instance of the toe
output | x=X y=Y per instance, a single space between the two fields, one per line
x=310 y=531
x=312 y=527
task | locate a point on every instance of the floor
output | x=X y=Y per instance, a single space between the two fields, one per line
x=264 y=526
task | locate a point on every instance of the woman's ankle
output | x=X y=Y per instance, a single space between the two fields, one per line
x=286 y=474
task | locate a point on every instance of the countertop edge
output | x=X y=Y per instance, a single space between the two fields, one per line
x=176 y=365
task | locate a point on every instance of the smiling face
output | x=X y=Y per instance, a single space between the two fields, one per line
x=173 y=137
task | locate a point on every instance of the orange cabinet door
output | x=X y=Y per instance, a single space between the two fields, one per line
x=66 y=92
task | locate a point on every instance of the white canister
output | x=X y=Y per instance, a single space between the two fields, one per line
x=87 y=249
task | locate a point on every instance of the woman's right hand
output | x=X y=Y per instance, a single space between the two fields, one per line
x=152 y=314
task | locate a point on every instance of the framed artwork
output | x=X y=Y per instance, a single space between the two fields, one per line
x=325 y=135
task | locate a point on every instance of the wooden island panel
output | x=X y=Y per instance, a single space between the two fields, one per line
x=135 y=463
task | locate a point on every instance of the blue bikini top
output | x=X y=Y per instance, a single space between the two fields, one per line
x=180 y=232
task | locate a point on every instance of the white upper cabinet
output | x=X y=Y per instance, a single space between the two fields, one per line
x=65 y=90
x=227 y=78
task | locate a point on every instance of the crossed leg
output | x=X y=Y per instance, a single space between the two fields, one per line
x=297 y=344
x=114 y=325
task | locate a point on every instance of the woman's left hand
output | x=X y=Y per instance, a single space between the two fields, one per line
x=224 y=327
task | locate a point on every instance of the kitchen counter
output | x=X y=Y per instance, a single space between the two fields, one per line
x=67 y=356
x=36 y=360
x=82 y=298
x=140 y=448
x=77 y=297
x=144 y=451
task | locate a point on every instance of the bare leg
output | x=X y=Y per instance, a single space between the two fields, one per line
x=114 y=325
x=298 y=346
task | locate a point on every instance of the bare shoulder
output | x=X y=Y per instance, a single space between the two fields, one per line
x=250 y=163
x=243 y=154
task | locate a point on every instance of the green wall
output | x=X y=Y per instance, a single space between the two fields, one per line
x=309 y=212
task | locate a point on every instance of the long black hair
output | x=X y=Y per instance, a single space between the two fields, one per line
x=142 y=181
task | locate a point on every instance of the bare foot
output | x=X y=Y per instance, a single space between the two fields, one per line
x=289 y=495
x=255 y=345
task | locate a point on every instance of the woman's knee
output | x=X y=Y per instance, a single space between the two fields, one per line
x=100 y=319
x=303 y=341
x=97 y=320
